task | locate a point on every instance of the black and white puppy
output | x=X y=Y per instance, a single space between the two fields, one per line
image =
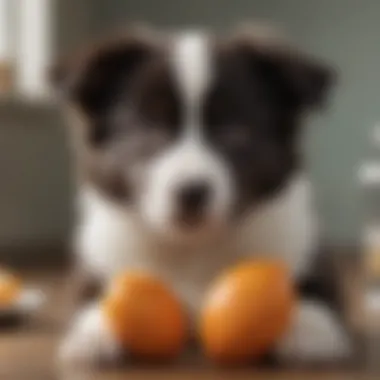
x=188 y=159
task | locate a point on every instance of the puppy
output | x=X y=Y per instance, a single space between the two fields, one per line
x=188 y=159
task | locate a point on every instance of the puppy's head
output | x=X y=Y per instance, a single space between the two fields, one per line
x=187 y=129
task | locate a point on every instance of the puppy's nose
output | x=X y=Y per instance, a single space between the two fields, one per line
x=192 y=199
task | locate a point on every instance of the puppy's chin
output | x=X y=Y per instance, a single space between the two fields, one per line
x=188 y=235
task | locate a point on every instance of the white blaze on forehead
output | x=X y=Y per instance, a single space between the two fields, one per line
x=191 y=61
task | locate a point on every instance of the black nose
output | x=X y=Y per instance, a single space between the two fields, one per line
x=192 y=199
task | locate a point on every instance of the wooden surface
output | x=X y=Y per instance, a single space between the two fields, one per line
x=27 y=352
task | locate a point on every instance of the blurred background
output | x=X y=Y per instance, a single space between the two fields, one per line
x=35 y=184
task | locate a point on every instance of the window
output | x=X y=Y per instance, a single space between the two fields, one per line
x=25 y=46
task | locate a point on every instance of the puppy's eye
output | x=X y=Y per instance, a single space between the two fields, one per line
x=234 y=136
x=160 y=109
x=160 y=106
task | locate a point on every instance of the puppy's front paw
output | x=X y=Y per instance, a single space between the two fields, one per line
x=89 y=341
x=315 y=336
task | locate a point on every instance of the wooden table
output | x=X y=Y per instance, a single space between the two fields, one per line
x=27 y=352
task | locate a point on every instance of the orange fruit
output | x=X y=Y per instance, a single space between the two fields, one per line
x=10 y=288
x=246 y=311
x=145 y=316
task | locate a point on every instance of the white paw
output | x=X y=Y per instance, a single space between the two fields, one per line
x=316 y=335
x=89 y=341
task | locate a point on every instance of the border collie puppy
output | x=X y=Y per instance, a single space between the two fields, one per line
x=188 y=159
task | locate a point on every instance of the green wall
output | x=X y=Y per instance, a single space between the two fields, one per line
x=347 y=33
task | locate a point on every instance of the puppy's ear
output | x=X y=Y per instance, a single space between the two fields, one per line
x=304 y=80
x=308 y=80
x=94 y=78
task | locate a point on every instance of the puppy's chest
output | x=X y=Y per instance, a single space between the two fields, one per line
x=188 y=274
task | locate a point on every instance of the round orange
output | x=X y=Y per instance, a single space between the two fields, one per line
x=246 y=311
x=145 y=316
x=10 y=287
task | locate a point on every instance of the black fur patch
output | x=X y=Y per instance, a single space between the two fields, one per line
x=250 y=113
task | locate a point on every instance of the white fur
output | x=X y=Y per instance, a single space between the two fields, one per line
x=190 y=159
x=187 y=162
x=315 y=335
x=286 y=227
x=111 y=239
x=89 y=340
x=192 y=66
